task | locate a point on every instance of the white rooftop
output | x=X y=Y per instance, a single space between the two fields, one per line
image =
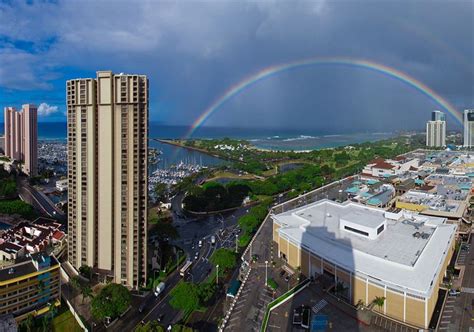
x=408 y=253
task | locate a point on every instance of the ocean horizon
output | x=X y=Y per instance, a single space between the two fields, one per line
x=265 y=138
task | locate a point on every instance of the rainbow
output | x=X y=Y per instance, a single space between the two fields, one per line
x=341 y=61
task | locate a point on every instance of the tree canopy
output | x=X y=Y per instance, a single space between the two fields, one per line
x=214 y=196
x=185 y=296
x=111 y=301
x=225 y=258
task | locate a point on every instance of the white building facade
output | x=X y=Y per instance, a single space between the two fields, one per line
x=436 y=134
x=468 y=128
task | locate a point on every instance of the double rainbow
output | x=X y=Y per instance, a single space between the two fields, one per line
x=335 y=61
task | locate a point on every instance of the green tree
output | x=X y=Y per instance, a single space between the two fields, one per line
x=248 y=223
x=86 y=292
x=111 y=301
x=181 y=328
x=86 y=271
x=225 y=258
x=151 y=326
x=161 y=189
x=45 y=324
x=185 y=296
x=28 y=323
x=379 y=301
x=206 y=291
x=17 y=206
x=75 y=283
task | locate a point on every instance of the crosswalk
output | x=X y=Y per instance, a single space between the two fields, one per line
x=319 y=306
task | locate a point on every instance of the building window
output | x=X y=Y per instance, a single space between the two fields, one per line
x=380 y=229
x=354 y=230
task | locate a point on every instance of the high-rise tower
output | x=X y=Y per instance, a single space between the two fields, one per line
x=436 y=130
x=107 y=175
x=468 y=128
x=21 y=137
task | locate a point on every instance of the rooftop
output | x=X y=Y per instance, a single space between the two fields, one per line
x=409 y=266
x=26 y=265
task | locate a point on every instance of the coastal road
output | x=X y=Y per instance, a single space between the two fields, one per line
x=32 y=196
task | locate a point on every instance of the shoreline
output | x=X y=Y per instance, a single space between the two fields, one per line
x=191 y=148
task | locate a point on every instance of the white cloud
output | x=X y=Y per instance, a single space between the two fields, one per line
x=46 y=110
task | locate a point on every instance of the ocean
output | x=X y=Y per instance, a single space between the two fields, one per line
x=265 y=138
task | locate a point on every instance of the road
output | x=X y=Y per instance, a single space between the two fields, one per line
x=249 y=308
x=190 y=231
x=39 y=200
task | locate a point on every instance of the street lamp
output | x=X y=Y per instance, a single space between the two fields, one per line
x=217 y=274
x=266 y=272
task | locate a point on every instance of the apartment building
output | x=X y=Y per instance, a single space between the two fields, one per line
x=21 y=137
x=107 y=175
x=30 y=286
x=468 y=123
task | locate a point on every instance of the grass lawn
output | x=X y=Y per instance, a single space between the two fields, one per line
x=65 y=322
x=230 y=175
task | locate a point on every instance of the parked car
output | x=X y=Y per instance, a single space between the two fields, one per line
x=213 y=239
x=454 y=292
x=282 y=273
x=200 y=243
x=196 y=256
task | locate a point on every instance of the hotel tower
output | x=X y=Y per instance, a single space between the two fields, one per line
x=21 y=137
x=436 y=130
x=468 y=122
x=107 y=175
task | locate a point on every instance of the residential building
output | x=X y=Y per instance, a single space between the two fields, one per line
x=107 y=175
x=438 y=116
x=384 y=168
x=436 y=134
x=61 y=185
x=21 y=137
x=359 y=247
x=30 y=286
x=2 y=144
x=28 y=238
x=468 y=128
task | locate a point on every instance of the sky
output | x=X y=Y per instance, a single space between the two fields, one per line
x=194 y=51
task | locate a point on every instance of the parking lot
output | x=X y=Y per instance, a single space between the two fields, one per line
x=458 y=311
x=250 y=306
x=335 y=316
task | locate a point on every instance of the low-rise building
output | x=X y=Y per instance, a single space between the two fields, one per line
x=359 y=247
x=431 y=202
x=30 y=286
x=29 y=238
x=384 y=168
x=61 y=185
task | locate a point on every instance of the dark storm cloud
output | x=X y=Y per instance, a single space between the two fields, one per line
x=193 y=51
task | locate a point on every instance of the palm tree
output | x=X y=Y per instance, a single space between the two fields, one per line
x=75 y=283
x=45 y=324
x=28 y=323
x=86 y=292
x=52 y=310
x=379 y=301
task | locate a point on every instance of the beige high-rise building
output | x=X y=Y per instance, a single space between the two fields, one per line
x=107 y=174
x=21 y=137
